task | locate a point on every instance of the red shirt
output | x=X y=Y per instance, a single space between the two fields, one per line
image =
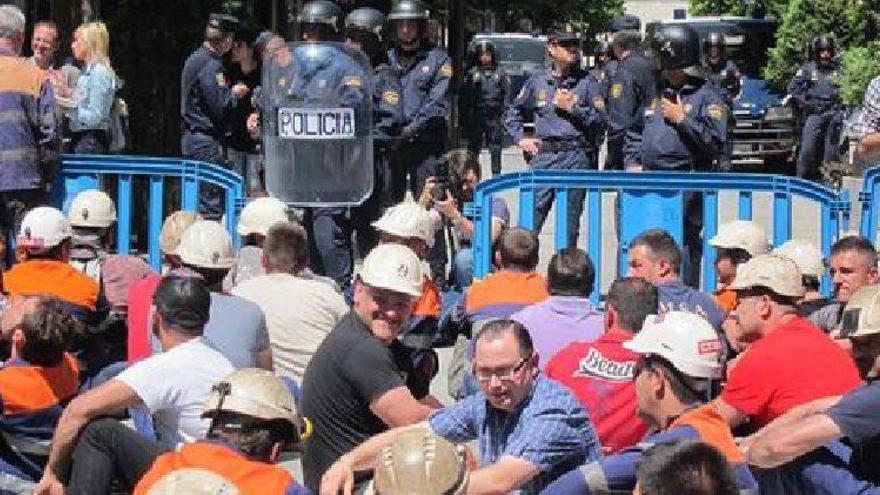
x=140 y=297
x=794 y=364
x=600 y=374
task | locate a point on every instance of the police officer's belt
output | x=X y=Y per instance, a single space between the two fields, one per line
x=556 y=145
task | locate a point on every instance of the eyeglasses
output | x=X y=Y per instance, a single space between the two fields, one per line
x=503 y=374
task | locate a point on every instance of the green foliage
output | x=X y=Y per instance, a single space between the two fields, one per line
x=770 y=8
x=588 y=16
x=851 y=22
x=860 y=65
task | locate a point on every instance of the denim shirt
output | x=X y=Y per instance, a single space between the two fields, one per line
x=95 y=91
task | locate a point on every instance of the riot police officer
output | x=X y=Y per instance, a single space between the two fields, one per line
x=724 y=74
x=817 y=94
x=566 y=123
x=685 y=130
x=425 y=71
x=329 y=74
x=363 y=30
x=631 y=88
x=597 y=82
x=485 y=94
x=205 y=100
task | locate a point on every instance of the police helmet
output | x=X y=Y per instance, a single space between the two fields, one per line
x=321 y=12
x=365 y=19
x=823 y=42
x=677 y=46
x=223 y=23
x=408 y=9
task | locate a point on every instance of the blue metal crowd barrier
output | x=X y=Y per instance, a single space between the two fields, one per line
x=869 y=198
x=643 y=190
x=79 y=172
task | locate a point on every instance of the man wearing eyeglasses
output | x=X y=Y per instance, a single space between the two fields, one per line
x=679 y=357
x=530 y=428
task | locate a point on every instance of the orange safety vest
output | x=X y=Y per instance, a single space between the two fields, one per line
x=52 y=277
x=713 y=429
x=250 y=477
x=29 y=388
x=726 y=299
x=429 y=302
x=506 y=288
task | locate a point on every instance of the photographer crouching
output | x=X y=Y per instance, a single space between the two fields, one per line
x=445 y=194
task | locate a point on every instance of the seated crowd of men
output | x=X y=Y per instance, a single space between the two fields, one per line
x=119 y=378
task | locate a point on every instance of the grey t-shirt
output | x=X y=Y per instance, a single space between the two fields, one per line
x=236 y=327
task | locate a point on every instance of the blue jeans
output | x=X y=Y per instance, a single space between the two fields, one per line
x=463 y=268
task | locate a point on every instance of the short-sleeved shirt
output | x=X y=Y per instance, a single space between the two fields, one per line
x=237 y=328
x=857 y=417
x=174 y=386
x=600 y=374
x=550 y=430
x=350 y=370
x=300 y=312
x=792 y=365
x=558 y=321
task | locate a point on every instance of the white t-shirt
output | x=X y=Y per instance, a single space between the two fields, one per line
x=300 y=311
x=174 y=386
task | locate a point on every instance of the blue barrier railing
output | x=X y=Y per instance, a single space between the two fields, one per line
x=834 y=207
x=79 y=172
x=869 y=199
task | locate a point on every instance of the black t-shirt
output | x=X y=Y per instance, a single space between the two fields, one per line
x=239 y=138
x=350 y=369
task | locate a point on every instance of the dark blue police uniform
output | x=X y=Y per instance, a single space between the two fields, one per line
x=329 y=75
x=567 y=138
x=815 y=91
x=205 y=102
x=426 y=107
x=693 y=144
x=725 y=78
x=597 y=92
x=387 y=121
x=625 y=106
x=425 y=80
x=485 y=94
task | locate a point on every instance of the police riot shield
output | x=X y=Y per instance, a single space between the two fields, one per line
x=317 y=122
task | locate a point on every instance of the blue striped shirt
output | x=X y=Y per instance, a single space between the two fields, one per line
x=550 y=430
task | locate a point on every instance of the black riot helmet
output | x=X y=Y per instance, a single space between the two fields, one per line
x=823 y=42
x=365 y=19
x=677 y=46
x=323 y=13
x=364 y=26
x=408 y=9
x=713 y=47
x=484 y=46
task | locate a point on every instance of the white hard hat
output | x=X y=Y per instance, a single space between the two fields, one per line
x=861 y=316
x=407 y=219
x=394 y=267
x=193 y=481
x=420 y=462
x=43 y=227
x=256 y=393
x=206 y=244
x=173 y=228
x=772 y=271
x=684 y=339
x=805 y=256
x=742 y=234
x=92 y=208
x=260 y=214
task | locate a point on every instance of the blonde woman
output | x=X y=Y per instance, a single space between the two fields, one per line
x=95 y=90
